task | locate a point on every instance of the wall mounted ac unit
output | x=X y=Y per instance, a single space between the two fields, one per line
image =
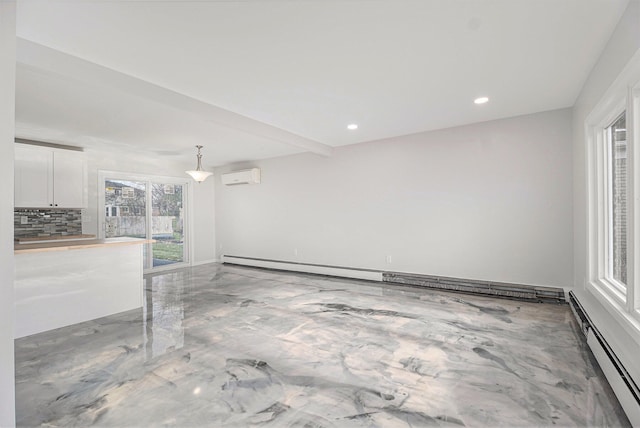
x=247 y=176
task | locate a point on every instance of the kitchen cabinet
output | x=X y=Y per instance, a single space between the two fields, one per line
x=48 y=177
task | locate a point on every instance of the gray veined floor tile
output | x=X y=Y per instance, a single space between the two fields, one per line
x=230 y=346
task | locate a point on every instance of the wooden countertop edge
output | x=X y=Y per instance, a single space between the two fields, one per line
x=57 y=238
x=75 y=245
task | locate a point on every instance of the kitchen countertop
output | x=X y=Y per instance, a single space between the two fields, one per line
x=37 y=239
x=76 y=245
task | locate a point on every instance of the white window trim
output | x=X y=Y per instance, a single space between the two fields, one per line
x=599 y=195
x=624 y=94
x=633 y=210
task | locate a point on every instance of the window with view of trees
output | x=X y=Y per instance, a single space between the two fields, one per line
x=148 y=208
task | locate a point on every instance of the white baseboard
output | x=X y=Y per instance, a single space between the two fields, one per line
x=621 y=381
x=622 y=391
x=370 y=275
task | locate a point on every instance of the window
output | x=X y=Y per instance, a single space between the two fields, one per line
x=608 y=210
x=617 y=206
x=148 y=207
x=613 y=172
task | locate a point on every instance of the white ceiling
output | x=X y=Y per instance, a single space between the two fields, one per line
x=261 y=78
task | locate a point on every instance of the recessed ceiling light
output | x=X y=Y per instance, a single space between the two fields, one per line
x=352 y=126
x=481 y=100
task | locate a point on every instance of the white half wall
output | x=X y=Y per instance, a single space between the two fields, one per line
x=7 y=127
x=120 y=161
x=489 y=201
x=82 y=284
x=622 y=46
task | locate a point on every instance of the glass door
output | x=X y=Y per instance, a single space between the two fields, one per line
x=167 y=223
x=125 y=204
x=148 y=208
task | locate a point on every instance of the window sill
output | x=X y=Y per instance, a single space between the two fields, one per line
x=617 y=310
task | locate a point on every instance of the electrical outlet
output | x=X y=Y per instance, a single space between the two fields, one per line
x=389 y=259
x=295 y=252
x=24 y=219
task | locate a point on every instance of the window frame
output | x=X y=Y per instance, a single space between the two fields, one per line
x=188 y=249
x=609 y=161
x=633 y=213
x=623 y=302
x=600 y=196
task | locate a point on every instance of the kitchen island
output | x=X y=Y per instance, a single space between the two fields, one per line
x=63 y=283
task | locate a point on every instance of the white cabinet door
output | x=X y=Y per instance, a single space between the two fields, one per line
x=33 y=177
x=49 y=178
x=69 y=179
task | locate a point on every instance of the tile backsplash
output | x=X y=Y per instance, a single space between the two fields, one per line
x=46 y=222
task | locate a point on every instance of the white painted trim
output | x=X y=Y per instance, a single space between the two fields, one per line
x=626 y=399
x=598 y=192
x=618 y=89
x=633 y=210
x=630 y=324
x=622 y=95
x=306 y=268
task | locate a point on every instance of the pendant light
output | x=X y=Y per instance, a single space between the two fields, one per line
x=199 y=174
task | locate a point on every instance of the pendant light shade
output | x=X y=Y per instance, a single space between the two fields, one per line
x=199 y=174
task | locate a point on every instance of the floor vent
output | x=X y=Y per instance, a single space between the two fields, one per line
x=487 y=288
x=619 y=378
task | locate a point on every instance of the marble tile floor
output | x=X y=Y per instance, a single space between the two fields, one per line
x=227 y=346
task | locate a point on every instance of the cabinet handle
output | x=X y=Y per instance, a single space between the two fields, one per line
x=56 y=205
x=50 y=205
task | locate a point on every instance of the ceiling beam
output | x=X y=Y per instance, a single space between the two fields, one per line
x=42 y=57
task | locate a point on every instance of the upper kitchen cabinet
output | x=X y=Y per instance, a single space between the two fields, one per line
x=48 y=177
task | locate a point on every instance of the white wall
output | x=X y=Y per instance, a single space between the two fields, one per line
x=624 y=43
x=7 y=125
x=204 y=240
x=488 y=201
x=203 y=194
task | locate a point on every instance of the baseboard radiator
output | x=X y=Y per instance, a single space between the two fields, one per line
x=486 y=288
x=621 y=382
x=326 y=270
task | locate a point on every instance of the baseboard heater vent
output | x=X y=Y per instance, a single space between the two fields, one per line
x=621 y=382
x=487 y=288
x=316 y=269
